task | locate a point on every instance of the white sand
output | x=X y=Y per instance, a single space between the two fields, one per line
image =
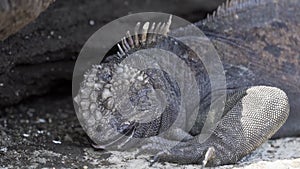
x=274 y=154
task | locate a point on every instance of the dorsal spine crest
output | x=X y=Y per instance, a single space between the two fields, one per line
x=231 y=7
x=148 y=35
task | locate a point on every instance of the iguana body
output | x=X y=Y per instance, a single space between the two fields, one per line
x=251 y=114
x=261 y=38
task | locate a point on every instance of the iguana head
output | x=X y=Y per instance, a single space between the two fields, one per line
x=140 y=90
x=118 y=103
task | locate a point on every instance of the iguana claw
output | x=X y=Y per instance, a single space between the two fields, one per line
x=210 y=153
x=156 y=158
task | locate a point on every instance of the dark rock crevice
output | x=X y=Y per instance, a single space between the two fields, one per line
x=56 y=37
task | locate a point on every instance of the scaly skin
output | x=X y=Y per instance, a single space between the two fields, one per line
x=263 y=39
x=253 y=112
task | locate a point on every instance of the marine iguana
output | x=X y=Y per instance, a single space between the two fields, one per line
x=253 y=112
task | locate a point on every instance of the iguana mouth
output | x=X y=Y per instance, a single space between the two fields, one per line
x=124 y=130
x=116 y=141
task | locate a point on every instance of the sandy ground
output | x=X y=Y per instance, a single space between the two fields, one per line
x=279 y=154
x=45 y=133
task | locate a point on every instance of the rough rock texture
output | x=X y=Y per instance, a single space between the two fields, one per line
x=14 y=14
x=44 y=52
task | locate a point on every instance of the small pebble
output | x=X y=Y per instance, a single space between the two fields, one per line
x=56 y=141
x=1 y=84
x=52 y=33
x=24 y=121
x=26 y=135
x=40 y=131
x=59 y=37
x=30 y=112
x=4 y=149
x=92 y=22
x=17 y=93
x=41 y=121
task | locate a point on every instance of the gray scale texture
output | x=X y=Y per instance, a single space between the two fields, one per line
x=253 y=113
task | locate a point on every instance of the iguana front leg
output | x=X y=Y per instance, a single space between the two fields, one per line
x=252 y=119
